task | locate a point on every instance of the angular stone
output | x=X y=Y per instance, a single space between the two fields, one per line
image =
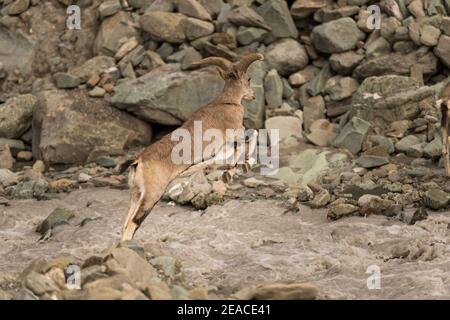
x=254 y=110
x=57 y=217
x=405 y=143
x=442 y=51
x=192 y=8
x=433 y=149
x=66 y=80
x=344 y=63
x=322 y=133
x=303 y=76
x=164 y=26
x=109 y=7
x=70 y=128
x=196 y=28
x=276 y=14
x=436 y=199
x=168 y=96
x=15 y=116
x=396 y=64
x=273 y=89
x=40 y=284
x=288 y=126
x=313 y=109
x=112 y=31
x=246 y=36
x=304 y=8
x=96 y=65
x=369 y=162
x=336 y=36
x=353 y=135
x=339 y=88
x=429 y=35
x=18 y=7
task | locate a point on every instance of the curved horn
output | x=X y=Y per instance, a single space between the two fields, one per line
x=222 y=63
x=247 y=60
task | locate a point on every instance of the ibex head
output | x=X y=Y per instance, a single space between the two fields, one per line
x=235 y=74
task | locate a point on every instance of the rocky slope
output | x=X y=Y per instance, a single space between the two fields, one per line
x=354 y=103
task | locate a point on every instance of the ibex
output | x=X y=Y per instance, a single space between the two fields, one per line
x=444 y=103
x=153 y=170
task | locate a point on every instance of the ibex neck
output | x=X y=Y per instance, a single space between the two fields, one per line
x=230 y=95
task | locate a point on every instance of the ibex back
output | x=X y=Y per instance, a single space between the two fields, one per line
x=154 y=169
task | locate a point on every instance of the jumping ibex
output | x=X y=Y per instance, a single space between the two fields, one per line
x=444 y=103
x=153 y=170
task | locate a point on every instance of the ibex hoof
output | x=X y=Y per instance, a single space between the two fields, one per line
x=226 y=177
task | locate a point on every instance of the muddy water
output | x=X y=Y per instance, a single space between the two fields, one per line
x=243 y=243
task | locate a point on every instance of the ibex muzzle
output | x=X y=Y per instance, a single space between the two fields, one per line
x=154 y=169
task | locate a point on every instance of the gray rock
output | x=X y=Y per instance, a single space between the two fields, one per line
x=164 y=26
x=383 y=100
x=57 y=217
x=385 y=142
x=339 y=88
x=193 y=8
x=378 y=47
x=40 y=284
x=322 y=133
x=436 y=199
x=6 y=159
x=330 y=13
x=273 y=89
x=276 y=14
x=336 y=36
x=254 y=110
x=18 y=7
x=405 y=143
x=112 y=31
x=353 y=134
x=433 y=149
x=168 y=96
x=287 y=56
x=95 y=65
x=341 y=210
x=66 y=80
x=30 y=189
x=288 y=126
x=15 y=116
x=396 y=63
x=416 y=151
x=246 y=36
x=303 y=76
x=313 y=109
x=442 y=51
x=445 y=25
x=370 y=162
x=20 y=51
x=8 y=178
x=106 y=162
x=304 y=8
x=196 y=28
x=70 y=128
x=109 y=7
x=317 y=85
x=429 y=35
x=344 y=63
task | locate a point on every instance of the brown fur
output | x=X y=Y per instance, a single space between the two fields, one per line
x=153 y=169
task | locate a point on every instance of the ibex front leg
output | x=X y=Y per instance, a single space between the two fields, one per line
x=445 y=137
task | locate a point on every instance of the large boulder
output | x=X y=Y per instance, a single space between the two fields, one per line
x=396 y=63
x=443 y=50
x=287 y=56
x=353 y=135
x=383 y=100
x=70 y=128
x=164 y=26
x=168 y=96
x=112 y=32
x=15 y=116
x=336 y=36
x=16 y=51
x=276 y=14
